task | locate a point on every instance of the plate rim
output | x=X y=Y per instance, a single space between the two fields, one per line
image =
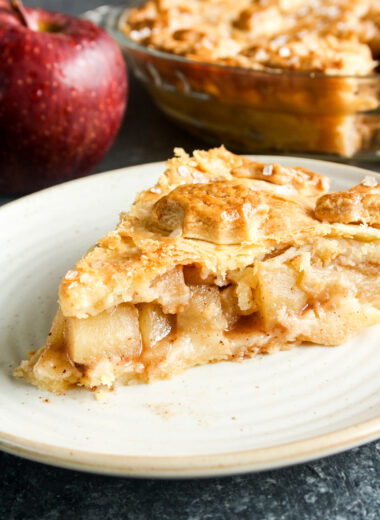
x=190 y=466
x=195 y=466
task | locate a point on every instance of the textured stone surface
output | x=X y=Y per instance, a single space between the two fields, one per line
x=342 y=487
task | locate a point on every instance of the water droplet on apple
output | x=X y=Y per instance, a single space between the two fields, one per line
x=37 y=93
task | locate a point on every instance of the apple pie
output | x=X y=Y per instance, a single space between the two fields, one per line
x=327 y=36
x=294 y=76
x=225 y=257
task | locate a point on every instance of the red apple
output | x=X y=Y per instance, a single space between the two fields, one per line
x=63 y=90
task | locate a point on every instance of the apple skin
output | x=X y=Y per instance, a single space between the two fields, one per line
x=63 y=92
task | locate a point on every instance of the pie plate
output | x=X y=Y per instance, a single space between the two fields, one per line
x=218 y=419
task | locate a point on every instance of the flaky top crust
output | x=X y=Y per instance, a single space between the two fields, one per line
x=359 y=205
x=229 y=212
x=214 y=209
x=324 y=36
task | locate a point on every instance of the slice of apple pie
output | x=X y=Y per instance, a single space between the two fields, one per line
x=223 y=258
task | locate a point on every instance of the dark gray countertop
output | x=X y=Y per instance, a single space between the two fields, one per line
x=341 y=487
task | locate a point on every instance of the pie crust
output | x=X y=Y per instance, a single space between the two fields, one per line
x=325 y=36
x=294 y=76
x=222 y=259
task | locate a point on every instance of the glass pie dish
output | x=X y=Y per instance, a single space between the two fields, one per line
x=257 y=111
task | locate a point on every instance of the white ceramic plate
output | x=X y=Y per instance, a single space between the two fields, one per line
x=217 y=419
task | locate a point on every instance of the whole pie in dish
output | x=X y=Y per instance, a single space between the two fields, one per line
x=296 y=76
x=326 y=36
x=223 y=258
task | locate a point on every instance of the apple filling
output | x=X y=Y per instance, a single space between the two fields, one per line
x=322 y=293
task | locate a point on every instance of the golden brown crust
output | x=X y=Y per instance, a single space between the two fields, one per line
x=328 y=36
x=226 y=212
x=125 y=262
x=306 y=182
x=359 y=205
